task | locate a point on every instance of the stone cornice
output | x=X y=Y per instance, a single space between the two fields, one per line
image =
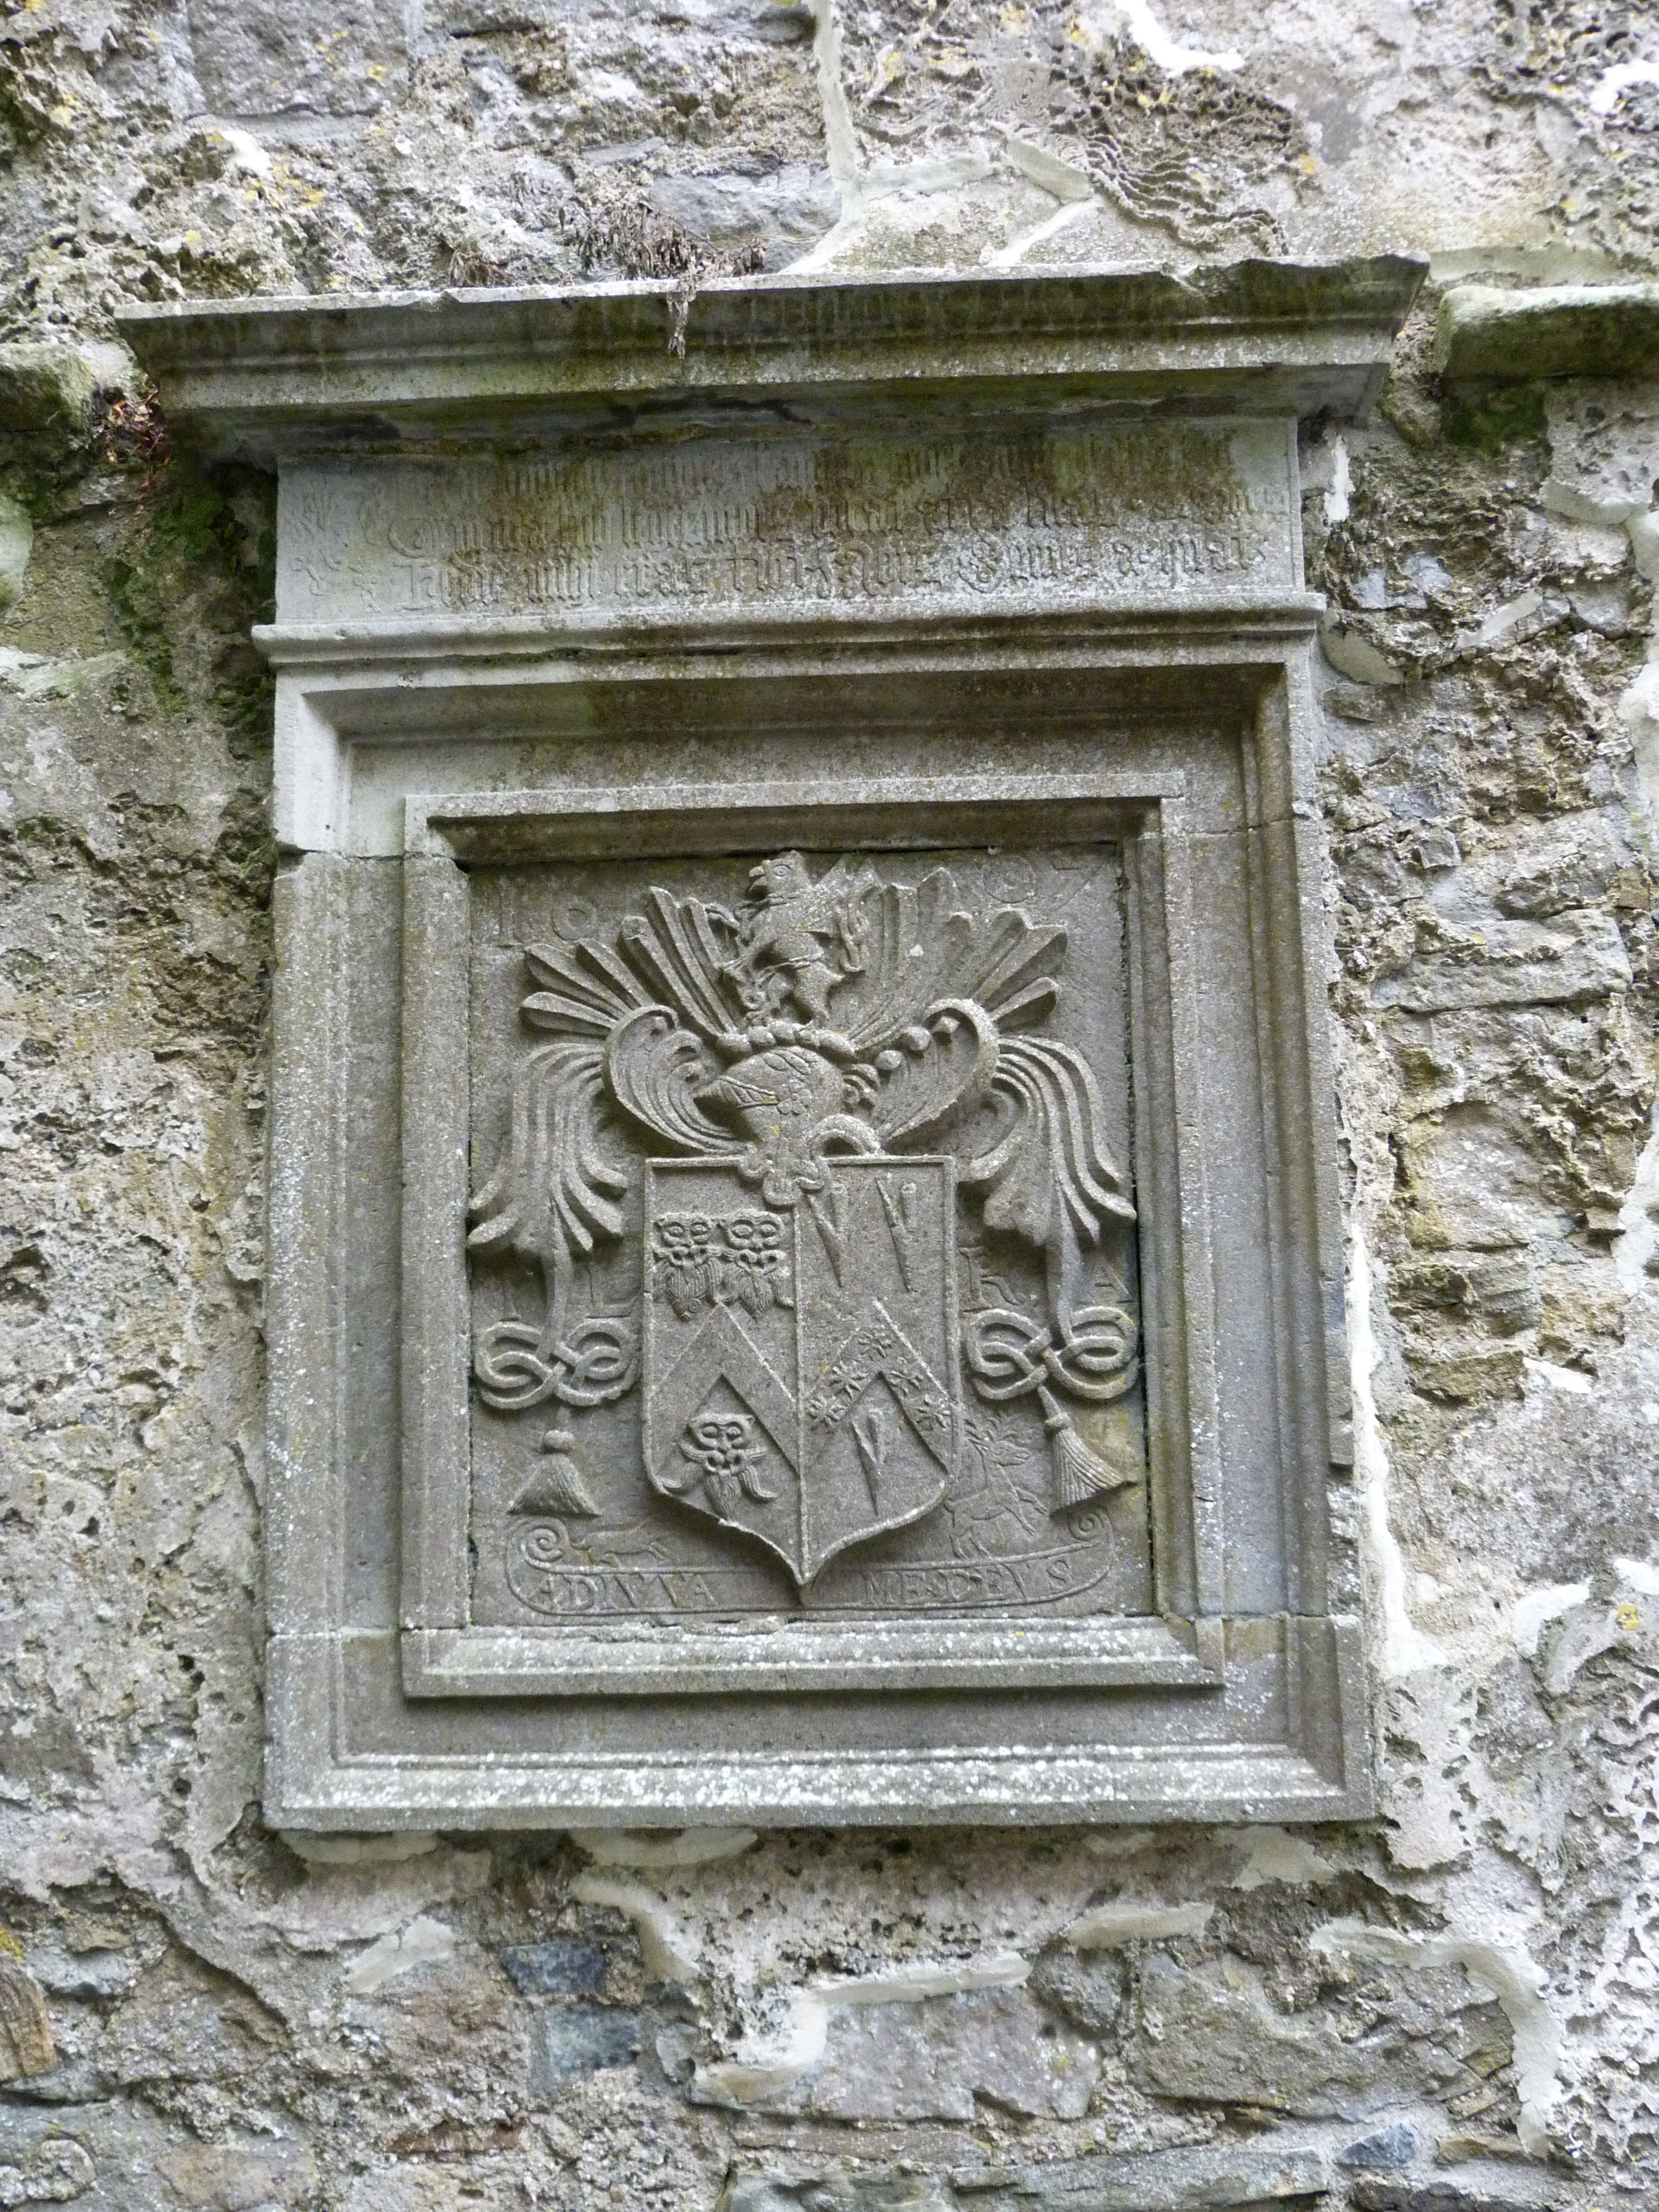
x=260 y=379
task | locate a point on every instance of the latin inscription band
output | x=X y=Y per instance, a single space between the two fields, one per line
x=547 y=1583
x=1099 y=513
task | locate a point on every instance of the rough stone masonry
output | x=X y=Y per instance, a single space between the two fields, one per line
x=1454 y=2008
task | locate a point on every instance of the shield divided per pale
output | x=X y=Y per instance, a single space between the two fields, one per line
x=801 y=1371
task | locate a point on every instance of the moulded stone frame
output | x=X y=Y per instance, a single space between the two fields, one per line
x=443 y=1653
x=343 y=1751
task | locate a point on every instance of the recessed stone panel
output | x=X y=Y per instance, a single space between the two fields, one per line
x=803 y=1273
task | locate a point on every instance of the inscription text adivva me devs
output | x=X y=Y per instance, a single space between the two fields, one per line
x=760 y=1162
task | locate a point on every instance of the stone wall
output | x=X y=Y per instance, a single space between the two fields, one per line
x=1454 y=2010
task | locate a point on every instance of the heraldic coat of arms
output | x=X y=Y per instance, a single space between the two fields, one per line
x=787 y=1104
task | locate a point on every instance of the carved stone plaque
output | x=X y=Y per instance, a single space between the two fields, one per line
x=804 y=1270
x=804 y=1277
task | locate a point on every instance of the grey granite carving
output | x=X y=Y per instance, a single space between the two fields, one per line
x=804 y=1283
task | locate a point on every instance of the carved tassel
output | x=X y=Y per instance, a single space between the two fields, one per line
x=557 y=1486
x=1080 y=1477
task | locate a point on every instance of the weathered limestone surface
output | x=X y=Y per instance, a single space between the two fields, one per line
x=1451 y=2010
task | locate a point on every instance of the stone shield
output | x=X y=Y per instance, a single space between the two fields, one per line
x=801 y=1363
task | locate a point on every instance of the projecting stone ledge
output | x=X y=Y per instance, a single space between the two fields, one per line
x=1202 y=2179
x=1486 y=335
x=264 y=380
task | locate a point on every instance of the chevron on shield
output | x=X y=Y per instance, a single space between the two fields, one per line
x=801 y=1385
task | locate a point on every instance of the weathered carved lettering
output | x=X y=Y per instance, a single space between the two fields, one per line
x=1086 y=514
